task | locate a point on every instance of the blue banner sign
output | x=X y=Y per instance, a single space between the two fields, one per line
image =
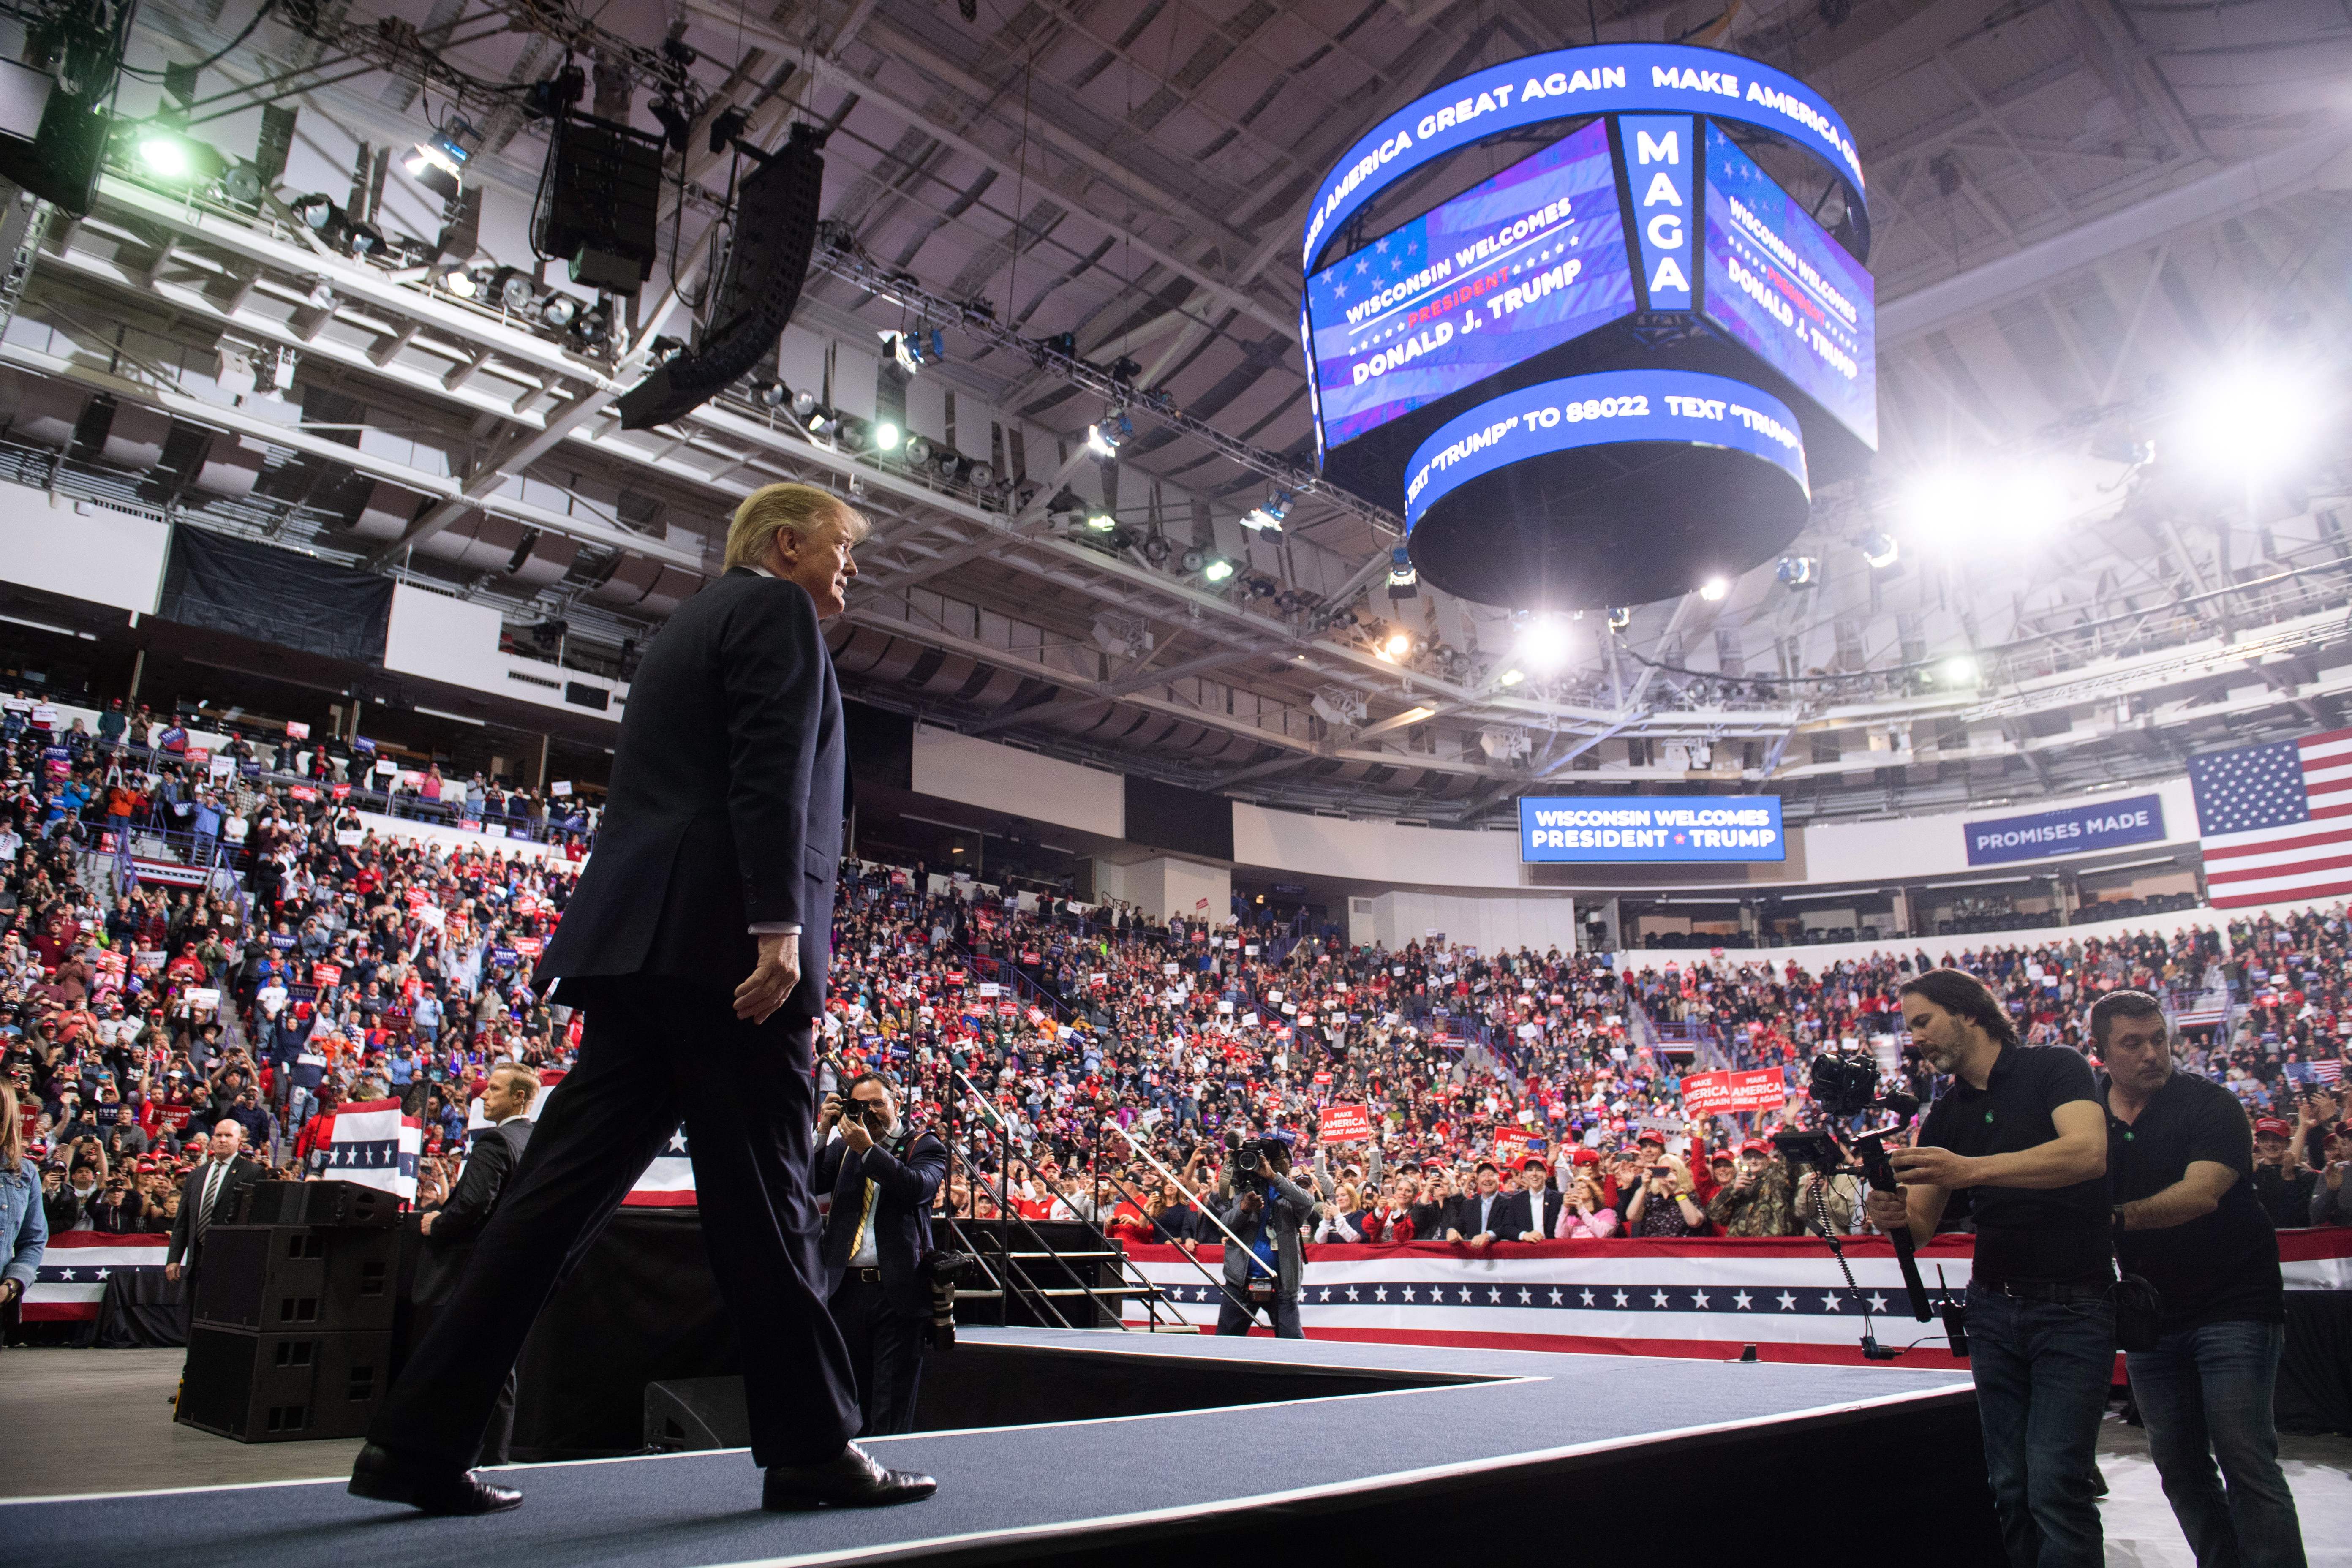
x=1602 y=409
x=1513 y=266
x=1557 y=828
x=1784 y=289
x=1660 y=149
x=1566 y=84
x=2067 y=830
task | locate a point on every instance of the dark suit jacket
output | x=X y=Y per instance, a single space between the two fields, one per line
x=449 y=1247
x=242 y=1174
x=1462 y=1215
x=726 y=801
x=1524 y=1216
x=905 y=1181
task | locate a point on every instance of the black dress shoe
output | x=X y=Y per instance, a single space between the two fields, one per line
x=853 y=1478
x=385 y=1476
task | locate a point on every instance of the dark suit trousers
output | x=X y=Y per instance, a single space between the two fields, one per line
x=1283 y=1312
x=886 y=1348
x=654 y=1052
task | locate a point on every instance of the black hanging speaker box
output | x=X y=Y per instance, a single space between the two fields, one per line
x=296 y=1276
x=274 y=1387
x=318 y=1203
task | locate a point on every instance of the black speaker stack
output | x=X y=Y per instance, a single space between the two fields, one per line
x=292 y=1334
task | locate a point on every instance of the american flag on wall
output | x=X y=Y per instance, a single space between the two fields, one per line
x=2276 y=820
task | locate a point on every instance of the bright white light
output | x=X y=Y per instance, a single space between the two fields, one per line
x=1962 y=507
x=1259 y=518
x=2251 y=422
x=458 y=282
x=1960 y=670
x=1217 y=570
x=166 y=156
x=1544 y=644
x=1398 y=645
x=1101 y=443
x=885 y=435
x=1714 y=589
x=1102 y=521
x=1509 y=677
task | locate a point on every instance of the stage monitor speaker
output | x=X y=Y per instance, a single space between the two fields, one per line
x=343 y=1204
x=775 y=230
x=288 y=1276
x=273 y=1387
x=694 y=1415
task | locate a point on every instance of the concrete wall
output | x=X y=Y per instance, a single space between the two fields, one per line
x=81 y=550
x=1004 y=778
x=1167 y=888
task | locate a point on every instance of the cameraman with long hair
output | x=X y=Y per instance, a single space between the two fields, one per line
x=2020 y=1128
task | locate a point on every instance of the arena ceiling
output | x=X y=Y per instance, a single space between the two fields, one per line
x=2111 y=262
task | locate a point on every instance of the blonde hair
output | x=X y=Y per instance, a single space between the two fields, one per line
x=524 y=1077
x=11 y=1132
x=773 y=509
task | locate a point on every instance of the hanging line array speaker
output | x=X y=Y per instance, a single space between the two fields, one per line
x=775 y=231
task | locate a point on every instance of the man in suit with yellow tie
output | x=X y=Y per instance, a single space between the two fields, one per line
x=883 y=1175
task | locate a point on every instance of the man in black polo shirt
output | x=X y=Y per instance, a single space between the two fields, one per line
x=2180 y=1158
x=2020 y=1131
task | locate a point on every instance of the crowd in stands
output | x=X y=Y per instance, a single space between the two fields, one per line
x=1092 y=1061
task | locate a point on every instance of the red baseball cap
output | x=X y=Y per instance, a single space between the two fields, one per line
x=1651 y=1135
x=1535 y=1162
x=2274 y=1126
x=1756 y=1146
x=1586 y=1157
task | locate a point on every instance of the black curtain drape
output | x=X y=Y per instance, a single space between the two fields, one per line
x=642 y=1305
x=2314 y=1378
x=274 y=595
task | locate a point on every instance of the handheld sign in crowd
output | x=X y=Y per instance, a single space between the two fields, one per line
x=1345 y=1124
x=1758 y=1088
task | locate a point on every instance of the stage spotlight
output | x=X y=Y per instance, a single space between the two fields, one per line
x=905 y=348
x=855 y=435
x=593 y=325
x=917 y=451
x=1269 y=516
x=1192 y=561
x=1543 y=643
x=316 y=211
x=886 y=436
x=1101 y=442
x=165 y=155
x=1878 y=550
x=1217 y=570
x=1621 y=617
x=439 y=164
x=364 y=240
x=803 y=405
x=1397 y=645
x=772 y=394
x=1798 y=571
x=558 y=309
x=979 y=477
x=511 y=288
x=1510 y=678
x=1156 y=550
x=1101 y=521
x=1960 y=670
x=1715 y=589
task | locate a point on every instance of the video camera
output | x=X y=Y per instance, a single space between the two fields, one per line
x=1845 y=1084
x=1242 y=1156
x=941 y=1267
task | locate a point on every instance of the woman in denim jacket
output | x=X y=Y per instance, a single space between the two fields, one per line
x=24 y=1228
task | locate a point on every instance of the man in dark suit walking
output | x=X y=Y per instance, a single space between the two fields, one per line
x=882 y=1176
x=451 y=1230
x=697 y=946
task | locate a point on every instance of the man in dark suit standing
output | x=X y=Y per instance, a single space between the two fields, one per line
x=883 y=1175
x=1535 y=1208
x=451 y=1230
x=696 y=946
x=209 y=1198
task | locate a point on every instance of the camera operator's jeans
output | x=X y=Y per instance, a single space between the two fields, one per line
x=2042 y=1371
x=2205 y=1394
x=1283 y=1309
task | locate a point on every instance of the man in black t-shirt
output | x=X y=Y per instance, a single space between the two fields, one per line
x=2020 y=1131
x=2180 y=1157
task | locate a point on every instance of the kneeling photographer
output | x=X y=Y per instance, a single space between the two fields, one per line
x=2181 y=1158
x=2021 y=1129
x=1268 y=1211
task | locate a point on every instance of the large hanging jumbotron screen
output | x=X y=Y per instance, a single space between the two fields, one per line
x=1779 y=284
x=1526 y=259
